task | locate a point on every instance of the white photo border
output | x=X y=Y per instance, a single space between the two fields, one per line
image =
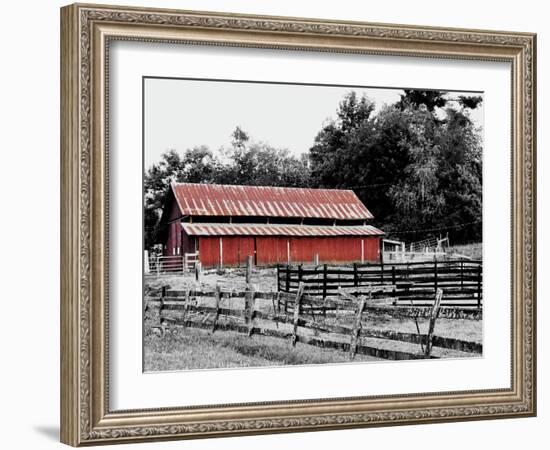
x=131 y=389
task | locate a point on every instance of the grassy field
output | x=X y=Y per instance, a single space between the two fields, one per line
x=181 y=349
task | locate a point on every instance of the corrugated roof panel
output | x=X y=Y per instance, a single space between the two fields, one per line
x=226 y=200
x=228 y=229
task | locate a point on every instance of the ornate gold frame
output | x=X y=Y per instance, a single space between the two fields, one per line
x=86 y=31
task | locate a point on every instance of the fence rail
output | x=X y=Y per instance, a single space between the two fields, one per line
x=337 y=322
x=415 y=282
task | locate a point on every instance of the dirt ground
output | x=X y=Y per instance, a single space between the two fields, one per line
x=264 y=280
x=474 y=251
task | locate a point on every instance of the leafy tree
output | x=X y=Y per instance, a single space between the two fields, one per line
x=240 y=138
x=471 y=102
x=416 y=197
x=248 y=162
x=415 y=97
x=415 y=164
x=333 y=162
x=460 y=171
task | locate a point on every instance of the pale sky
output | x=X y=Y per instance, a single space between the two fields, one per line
x=181 y=114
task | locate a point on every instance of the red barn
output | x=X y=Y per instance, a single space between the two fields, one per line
x=225 y=224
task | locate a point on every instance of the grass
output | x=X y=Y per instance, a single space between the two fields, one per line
x=184 y=348
x=474 y=251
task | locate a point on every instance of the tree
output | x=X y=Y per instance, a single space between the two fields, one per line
x=333 y=162
x=416 y=197
x=196 y=165
x=415 y=97
x=415 y=164
x=460 y=171
x=471 y=102
x=240 y=138
x=249 y=162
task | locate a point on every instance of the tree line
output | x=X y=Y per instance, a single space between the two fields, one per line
x=415 y=164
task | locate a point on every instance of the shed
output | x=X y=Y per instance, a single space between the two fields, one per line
x=225 y=224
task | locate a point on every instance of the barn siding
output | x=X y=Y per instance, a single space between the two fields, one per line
x=334 y=249
x=174 y=239
x=273 y=250
x=235 y=250
x=209 y=251
x=372 y=249
x=187 y=243
x=174 y=210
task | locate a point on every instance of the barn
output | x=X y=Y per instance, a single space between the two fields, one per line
x=225 y=224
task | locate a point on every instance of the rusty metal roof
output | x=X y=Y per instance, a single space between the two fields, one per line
x=264 y=201
x=228 y=229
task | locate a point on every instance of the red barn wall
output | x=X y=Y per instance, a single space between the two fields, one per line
x=274 y=250
x=174 y=239
x=209 y=251
x=235 y=250
x=174 y=236
x=271 y=250
x=335 y=249
x=372 y=249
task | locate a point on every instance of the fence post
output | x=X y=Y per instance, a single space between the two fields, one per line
x=197 y=270
x=356 y=327
x=185 y=263
x=186 y=303
x=158 y=265
x=161 y=307
x=325 y=276
x=433 y=317
x=479 y=271
x=461 y=273
x=316 y=259
x=287 y=279
x=146 y=267
x=218 y=297
x=249 y=264
x=393 y=275
x=355 y=279
x=381 y=271
x=435 y=274
x=278 y=277
x=249 y=303
x=297 y=306
x=251 y=311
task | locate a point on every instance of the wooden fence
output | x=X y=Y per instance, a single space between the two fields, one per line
x=415 y=282
x=336 y=322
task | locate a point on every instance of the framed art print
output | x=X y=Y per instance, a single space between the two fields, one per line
x=276 y=224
